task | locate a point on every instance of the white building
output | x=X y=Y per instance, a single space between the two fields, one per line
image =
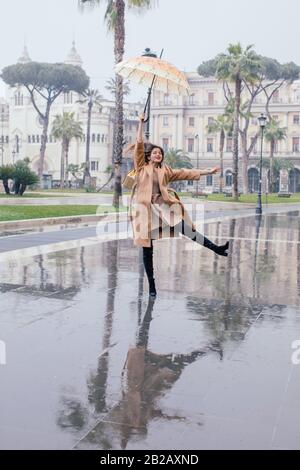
x=21 y=129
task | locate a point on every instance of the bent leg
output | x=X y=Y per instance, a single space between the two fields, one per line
x=197 y=237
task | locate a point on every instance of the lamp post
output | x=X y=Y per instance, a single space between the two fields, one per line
x=198 y=145
x=262 y=123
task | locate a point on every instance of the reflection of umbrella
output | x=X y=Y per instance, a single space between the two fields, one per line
x=154 y=73
x=144 y=69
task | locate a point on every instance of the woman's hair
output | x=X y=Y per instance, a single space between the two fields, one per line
x=148 y=150
x=148 y=147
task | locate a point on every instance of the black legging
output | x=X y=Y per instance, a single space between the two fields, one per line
x=193 y=235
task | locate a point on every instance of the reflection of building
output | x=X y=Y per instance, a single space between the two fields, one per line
x=181 y=122
x=21 y=128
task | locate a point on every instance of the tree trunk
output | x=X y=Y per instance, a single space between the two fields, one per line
x=272 y=150
x=238 y=87
x=87 y=175
x=245 y=164
x=67 y=145
x=222 y=142
x=6 y=187
x=22 y=189
x=119 y=43
x=44 y=142
x=17 y=187
x=62 y=166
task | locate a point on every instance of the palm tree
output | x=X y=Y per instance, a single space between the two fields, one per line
x=175 y=158
x=65 y=127
x=273 y=134
x=90 y=98
x=238 y=65
x=111 y=86
x=115 y=20
x=222 y=125
x=6 y=174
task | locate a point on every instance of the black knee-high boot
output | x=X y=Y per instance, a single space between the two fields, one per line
x=199 y=238
x=148 y=264
x=220 y=250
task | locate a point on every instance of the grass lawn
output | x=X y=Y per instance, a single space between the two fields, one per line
x=26 y=195
x=251 y=198
x=37 y=212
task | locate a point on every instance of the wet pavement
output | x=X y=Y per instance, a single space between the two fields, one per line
x=92 y=364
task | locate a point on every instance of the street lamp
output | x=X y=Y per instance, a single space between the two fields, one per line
x=262 y=123
x=198 y=146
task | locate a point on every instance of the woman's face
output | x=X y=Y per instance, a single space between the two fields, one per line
x=156 y=155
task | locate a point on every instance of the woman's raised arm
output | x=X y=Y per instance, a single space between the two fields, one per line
x=139 y=154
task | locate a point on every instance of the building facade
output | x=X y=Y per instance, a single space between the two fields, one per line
x=181 y=123
x=21 y=129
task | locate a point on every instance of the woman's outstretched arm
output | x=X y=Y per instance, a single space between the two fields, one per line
x=186 y=174
x=139 y=155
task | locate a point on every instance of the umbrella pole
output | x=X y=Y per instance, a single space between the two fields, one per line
x=148 y=105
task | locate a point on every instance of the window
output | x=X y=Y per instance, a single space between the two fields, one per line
x=50 y=139
x=229 y=144
x=68 y=98
x=209 y=180
x=296 y=119
x=191 y=122
x=210 y=145
x=102 y=138
x=192 y=99
x=255 y=146
x=167 y=99
x=190 y=145
x=33 y=139
x=275 y=97
x=210 y=120
x=165 y=121
x=275 y=117
x=93 y=137
x=94 y=166
x=211 y=98
x=29 y=139
x=37 y=139
x=18 y=99
x=296 y=144
x=98 y=138
x=228 y=178
x=7 y=140
x=165 y=145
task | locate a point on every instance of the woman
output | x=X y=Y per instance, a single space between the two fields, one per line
x=155 y=210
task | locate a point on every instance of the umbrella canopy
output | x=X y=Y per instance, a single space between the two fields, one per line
x=143 y=70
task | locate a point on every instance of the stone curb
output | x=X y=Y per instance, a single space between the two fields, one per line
x=50 y=221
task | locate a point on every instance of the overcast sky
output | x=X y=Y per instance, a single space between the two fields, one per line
x=190 y=31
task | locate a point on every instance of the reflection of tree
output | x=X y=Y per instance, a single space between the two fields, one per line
x=298 y=259
x=98 y=381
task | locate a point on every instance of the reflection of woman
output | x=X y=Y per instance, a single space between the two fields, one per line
x=156 y=211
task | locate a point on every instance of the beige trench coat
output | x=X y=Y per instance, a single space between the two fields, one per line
x=140 y=202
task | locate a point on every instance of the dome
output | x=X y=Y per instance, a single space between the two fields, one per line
x=24 y=57
x=73 y=57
